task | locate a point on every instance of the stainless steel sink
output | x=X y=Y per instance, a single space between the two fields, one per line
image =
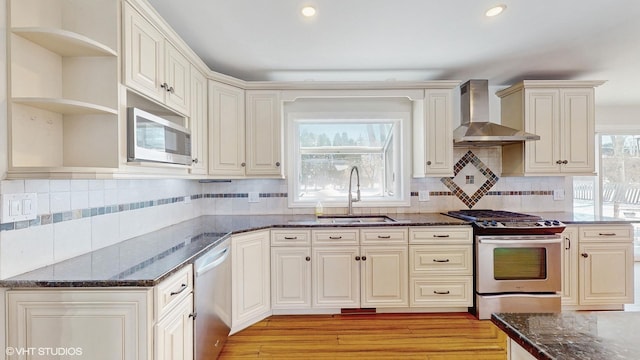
x=353 y=219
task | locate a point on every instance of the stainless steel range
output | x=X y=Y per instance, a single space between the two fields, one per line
x=517 y=262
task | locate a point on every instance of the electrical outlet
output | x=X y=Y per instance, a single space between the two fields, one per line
x=187 y=199
x=558 y=194
x=254 y=197
x=423 y=196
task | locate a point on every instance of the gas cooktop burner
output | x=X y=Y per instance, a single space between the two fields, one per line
x=492 y=215
x=489 y=222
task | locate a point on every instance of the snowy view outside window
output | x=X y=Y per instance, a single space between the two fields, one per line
x=327 y=149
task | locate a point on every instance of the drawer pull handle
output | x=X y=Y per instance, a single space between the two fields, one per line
x=441 y=292
x=291 y=238
x=384 y=236
x=441 y=260
x=335 y=237
x=607 y=234
x=183 y=287
x=440 y=236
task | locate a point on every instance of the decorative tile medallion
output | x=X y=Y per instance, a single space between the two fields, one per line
x=482 y=190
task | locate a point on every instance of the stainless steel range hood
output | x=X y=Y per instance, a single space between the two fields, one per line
x=475 y=128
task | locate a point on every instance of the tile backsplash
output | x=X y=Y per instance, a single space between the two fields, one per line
x=78 y=216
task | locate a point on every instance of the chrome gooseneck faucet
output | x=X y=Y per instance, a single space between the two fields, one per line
x=351 y=199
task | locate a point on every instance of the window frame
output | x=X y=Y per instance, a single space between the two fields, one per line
x=402 y=130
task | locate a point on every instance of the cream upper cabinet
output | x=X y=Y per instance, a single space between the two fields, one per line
x=59 y=121
x=226 y=130
x=562 y=114
x=250 y=279
x=598 y=268
x=198 y=122
x=264 y=133
x=439 y=133
x=152 y=65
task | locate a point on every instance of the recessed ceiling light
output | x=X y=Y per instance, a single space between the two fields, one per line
x=308 y=11
x=496 y=10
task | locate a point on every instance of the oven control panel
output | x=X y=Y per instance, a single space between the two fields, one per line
x=519 y=227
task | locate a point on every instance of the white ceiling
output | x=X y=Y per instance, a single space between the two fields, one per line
x=418 y=40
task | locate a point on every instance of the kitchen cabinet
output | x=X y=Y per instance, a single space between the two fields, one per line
x=517 y=352
x=106 y=323
x=602 y=267
x=226 y=130
x=59 y=121
x=250 y=279
x=441 y=267
x=570 y=259
x=246 y=132
x=198 y=122
x=562 y=114
x=290 y=269
x=433 y=134
x=152 y=65
x=359 y=268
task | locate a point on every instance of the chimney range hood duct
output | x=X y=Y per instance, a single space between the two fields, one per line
x=475 y=128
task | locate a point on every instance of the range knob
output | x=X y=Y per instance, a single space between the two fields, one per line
x=556 y=222
x=485 y=223
x=494 y=223
x=547 y=223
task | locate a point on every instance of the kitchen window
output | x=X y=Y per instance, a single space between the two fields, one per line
x=324 y=146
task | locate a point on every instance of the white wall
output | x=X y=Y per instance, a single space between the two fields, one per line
x=623 y=118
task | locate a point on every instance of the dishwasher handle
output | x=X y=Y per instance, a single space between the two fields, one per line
x=214 y=260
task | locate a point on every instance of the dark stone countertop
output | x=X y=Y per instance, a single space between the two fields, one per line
x=148 y=259
x=593 y=335
x=571 y=218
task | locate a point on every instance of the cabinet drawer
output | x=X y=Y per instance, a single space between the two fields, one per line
x=335 y=236
x=290 y=237
x=173 y=289
x=383 y=236
x=441 y=260
x=450 y=291
x=606 y=233
x=441 y=235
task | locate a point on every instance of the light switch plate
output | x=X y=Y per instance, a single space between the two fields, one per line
x=558 y=194
x=423 y=195
x=19 y=207
x=254 y=197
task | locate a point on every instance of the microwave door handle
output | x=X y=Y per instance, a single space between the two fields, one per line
x=519 y=241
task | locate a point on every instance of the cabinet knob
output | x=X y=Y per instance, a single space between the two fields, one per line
x=277 y=163
x=429 y=162
x=357 y=258
x=558 y=162
x=243 y=164
x=171 y=90
x=308 y=258
x=585 y=255
x=193 y=315
x=364 y=258
x=565 y=162
x=164 y=86
x=195 y=161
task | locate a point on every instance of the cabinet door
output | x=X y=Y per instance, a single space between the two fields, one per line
x=250 y=279
x=385 y=281
x=570 y=266
x=198 y=122
x=226 y=130
x=336 y=277
x=439 y=133
x=577 y=127
x=264 y=133
x=177 y=75
x=542 y=117
x=606 y=271
x=101 y=324
x=174 y=333
x=144 y=55
x=291 y=277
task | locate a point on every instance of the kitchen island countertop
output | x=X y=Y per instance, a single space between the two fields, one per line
x=589 y=335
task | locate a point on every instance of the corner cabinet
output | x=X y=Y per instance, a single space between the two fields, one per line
x=264 y=133
x=226 y=130
x=598 y=272
x=60 y=121
x=250 y=279
x=562 y=113
x=198 y=122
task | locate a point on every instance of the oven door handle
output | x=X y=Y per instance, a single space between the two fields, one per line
x=520 y=241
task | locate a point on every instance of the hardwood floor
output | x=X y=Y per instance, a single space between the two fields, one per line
x=371 y=336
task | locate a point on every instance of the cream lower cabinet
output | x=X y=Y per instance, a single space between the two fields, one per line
x=441 y=267
x=102 y=323
x=290 y=269
x=602 y=268
x=570 y=247
x=517 y=352
x=250 y=279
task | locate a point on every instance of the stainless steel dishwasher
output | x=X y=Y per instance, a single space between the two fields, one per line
x=212 y=301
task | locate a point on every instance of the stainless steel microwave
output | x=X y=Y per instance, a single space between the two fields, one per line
x=152 y=138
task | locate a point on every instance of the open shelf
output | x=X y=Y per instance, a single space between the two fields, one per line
x=65 y=106
x=64 y=42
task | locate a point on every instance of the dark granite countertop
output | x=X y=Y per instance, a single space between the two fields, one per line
x=594 y=335
x=571 y=218
x=148 y=259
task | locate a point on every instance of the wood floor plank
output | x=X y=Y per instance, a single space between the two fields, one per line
x=369 y=336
